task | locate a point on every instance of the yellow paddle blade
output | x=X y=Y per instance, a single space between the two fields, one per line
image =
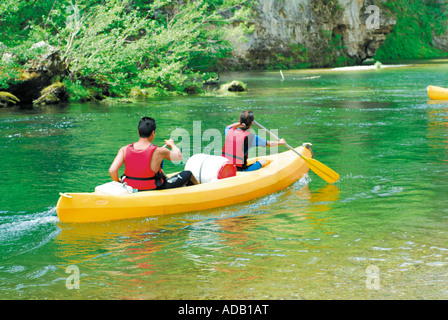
x=321 y=170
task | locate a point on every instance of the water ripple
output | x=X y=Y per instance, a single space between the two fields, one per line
x=15 y=228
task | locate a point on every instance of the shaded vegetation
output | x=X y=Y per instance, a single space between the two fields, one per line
x=417 y=23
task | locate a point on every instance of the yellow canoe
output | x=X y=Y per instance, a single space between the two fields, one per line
x=437 y=93
x=283 y=170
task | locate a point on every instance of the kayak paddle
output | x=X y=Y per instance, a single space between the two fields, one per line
x=319 y=168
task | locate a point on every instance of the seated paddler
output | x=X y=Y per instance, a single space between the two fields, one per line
x=239 y=140
x=143 y=162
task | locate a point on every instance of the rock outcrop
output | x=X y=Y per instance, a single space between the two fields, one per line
x=36 y=74
x=233 y=86
x=312 y=33
x=53 y=94
x=441 y=41
x=7 y=99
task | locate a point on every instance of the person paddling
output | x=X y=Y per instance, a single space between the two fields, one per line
x=239 y=140
x=143 y=161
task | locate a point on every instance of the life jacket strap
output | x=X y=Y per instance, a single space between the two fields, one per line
x=158 y=177
x=139 y=179
x=232 y=155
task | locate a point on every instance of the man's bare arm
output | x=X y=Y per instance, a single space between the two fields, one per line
x=175 y=154
x=116 y=165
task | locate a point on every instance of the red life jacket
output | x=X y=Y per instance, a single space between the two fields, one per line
x=138 y=172
x=235 y=147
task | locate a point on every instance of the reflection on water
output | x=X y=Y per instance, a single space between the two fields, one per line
x=376 y=128
x=223 y=243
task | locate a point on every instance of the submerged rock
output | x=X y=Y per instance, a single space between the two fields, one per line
x=53 y=94
x=234 y=86
x=138 y=93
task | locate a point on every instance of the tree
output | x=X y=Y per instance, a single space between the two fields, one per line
x=164 y=45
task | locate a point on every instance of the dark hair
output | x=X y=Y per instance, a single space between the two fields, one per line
x=246 y=119
x=146 y=126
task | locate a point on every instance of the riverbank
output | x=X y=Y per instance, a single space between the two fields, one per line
x=225 y=87
x=127 y=49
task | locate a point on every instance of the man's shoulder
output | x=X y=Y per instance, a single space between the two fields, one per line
x=161 y=150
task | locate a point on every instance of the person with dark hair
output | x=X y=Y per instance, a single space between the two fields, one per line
x=239 y=140
x=143 y=162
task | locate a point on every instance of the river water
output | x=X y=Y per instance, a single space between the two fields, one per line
x=380 y=232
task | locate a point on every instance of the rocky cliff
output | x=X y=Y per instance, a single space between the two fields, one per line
x=441 y=41
x=312 y=33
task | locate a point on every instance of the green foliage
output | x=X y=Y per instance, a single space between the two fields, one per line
x=166 y=45
x=297 y=58
x=77 y=92
x=9 y=74
x=412 y=36
x=332 y=51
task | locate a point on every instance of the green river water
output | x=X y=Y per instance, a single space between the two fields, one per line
x=380 y=232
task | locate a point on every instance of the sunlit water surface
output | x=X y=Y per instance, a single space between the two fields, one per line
x=378 y=233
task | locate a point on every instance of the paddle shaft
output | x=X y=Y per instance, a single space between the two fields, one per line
x=320 y=169
x=287 y=145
